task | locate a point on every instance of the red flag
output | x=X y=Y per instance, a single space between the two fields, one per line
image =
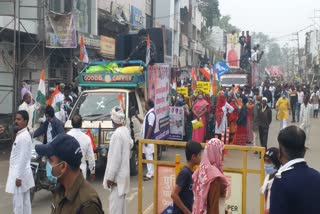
x=91 y=138
x=50 y=100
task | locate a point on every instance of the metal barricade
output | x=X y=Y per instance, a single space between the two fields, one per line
x=243 y=170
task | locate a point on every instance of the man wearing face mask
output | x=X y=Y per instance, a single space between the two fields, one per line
x=296 y=186
x=20 y=179
x=73 y=193
x=117 y=174
x=271 y=166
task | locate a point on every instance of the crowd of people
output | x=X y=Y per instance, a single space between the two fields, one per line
x=242 y=115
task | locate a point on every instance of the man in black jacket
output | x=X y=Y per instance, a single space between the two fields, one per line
x=264 y=120
x=51 y=127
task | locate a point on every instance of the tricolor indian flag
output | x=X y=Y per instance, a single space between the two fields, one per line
x=83 y=51
x=267 y=71
x=41 y=94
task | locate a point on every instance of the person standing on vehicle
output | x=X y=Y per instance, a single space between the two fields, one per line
x=117 y=174
x=148 y=127
x=86 y=147
x=20 y=178
x=50 y=128
x=73 y=193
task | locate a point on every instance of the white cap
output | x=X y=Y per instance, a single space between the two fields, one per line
x=117 y=115
x=265 y=99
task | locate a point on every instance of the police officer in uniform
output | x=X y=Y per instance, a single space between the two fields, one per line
x=73 y=193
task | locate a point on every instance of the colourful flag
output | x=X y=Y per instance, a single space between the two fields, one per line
x=50 y=100
x=221 y=68
x=91 y=139
x=83 y=51
x=41 y=94
x=148 y=50
x=267 y=71
x=121 y=100
x=214 y=83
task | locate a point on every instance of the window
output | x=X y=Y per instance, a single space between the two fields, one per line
x=60 y=6
x=133 y=101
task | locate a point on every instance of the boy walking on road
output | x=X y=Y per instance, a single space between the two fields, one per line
x=182 y=194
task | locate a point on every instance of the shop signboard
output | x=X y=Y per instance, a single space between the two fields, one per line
x=107 y=46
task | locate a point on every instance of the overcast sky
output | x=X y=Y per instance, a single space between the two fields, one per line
x=273 y=17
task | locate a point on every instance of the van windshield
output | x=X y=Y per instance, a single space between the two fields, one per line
x=95 y=106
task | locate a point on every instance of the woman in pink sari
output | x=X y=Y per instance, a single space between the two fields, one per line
x=200 y=109
x=209 y=183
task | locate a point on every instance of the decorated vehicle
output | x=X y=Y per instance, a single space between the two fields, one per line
x=118 y=83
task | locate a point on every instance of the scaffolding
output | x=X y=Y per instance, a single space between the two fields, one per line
x=21 y=16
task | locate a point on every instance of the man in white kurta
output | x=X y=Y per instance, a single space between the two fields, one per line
x=305 y=118
x=85 y=144
x=28 y=106
x=20 y=178
x=117 y=174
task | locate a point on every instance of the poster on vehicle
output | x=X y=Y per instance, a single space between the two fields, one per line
x=183 y=90
x=159 y=91
x=234 y=193
x=176 y=123
x=60 y=31
x=233 y=51
x=166 y=183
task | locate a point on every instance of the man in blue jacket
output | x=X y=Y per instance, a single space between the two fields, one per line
x=50 y=128
x=296 y=186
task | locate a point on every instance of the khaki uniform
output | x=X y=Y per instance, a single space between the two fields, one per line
x=81 y=194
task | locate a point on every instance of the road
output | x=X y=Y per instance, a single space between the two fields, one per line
x=42 y=199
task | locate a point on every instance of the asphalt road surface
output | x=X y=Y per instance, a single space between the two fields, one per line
x=42 y=200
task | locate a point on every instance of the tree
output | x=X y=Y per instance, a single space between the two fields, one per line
x=224 y=23
x=210 y=11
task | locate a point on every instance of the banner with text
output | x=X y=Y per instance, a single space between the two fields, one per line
x=176 y=123
x=158 y=91
x=183 y=90
x=60 y=31
x=166 y=183
x=204 y=87
x=234 y=193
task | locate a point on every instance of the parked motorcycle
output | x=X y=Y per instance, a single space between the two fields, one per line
x=38 y=166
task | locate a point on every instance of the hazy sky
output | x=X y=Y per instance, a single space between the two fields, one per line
x=273 y=17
